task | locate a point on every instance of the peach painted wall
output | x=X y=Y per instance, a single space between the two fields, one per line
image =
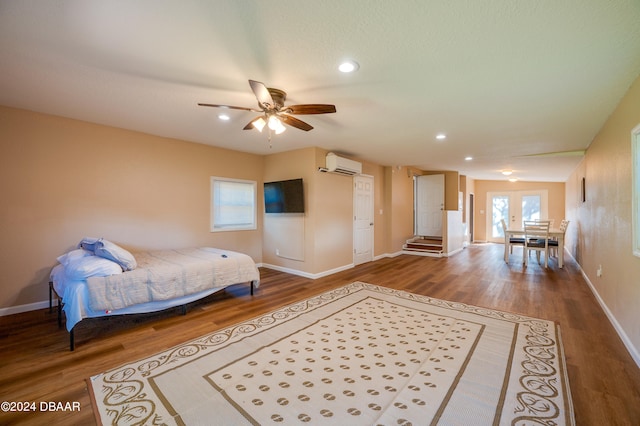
x=400 y=193
x=62 y=179
x=328 y=219
x=602 y=225
x=556 y=200
x=283 y=166
x=333 y=222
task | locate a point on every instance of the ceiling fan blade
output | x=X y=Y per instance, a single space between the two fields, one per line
x=262 y=94
x=250 y=125
x=311 y=109
x=229 y=107
x=294 y=122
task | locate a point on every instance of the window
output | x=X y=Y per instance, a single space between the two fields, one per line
x=233 y=204
x=635 y=188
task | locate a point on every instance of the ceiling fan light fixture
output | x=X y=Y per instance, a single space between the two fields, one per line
x=259 y=124
x=273 y=122
x=276 y=125
x=507 y=172
x=441 y=136
x=224 y=117
x=274 y=113
x=280 y=129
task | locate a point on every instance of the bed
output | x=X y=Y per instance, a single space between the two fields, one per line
x=100 y=278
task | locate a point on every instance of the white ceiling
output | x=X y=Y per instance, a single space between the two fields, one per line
x=504 y=79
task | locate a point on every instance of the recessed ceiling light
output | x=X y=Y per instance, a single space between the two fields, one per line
x=223 y=117
x=507 y=172
x=468 y=158
x=441 y=136
x=348 y=66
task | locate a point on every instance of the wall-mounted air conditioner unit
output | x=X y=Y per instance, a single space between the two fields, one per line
x=344 y=166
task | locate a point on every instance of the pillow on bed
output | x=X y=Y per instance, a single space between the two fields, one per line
x=111 y=251
x=88 y=243
x=91 y=266
x=73 y=255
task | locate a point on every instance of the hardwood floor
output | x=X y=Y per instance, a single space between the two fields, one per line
x=36 y=365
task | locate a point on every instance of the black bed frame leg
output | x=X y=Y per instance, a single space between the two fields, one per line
x=72 y=344
x=58 y=304
x=252 y=287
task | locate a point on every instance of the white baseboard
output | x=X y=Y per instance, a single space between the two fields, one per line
x=324 y=273
x=307 y=274
x=451 y=253
x=633 y=351
x=382 y=256
x=25 y=308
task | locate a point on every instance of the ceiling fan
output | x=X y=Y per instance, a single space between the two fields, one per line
x=274 y=112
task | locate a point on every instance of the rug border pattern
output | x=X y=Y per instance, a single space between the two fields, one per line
x=124 y=393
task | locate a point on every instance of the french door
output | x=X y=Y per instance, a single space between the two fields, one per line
x=514 y=207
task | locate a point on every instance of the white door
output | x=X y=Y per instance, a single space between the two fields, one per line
x=362 y=219
x=514 y=207
x=429 y=204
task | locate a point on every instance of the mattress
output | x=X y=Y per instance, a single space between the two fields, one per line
x=163 y=279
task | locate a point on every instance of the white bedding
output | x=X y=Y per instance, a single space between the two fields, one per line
x=208 y=271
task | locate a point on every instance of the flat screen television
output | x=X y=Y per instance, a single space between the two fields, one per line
x=285 y=196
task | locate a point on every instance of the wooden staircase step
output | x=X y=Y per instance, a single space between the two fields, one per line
x=424 y=245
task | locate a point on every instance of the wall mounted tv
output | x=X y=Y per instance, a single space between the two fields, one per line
x=285 y=196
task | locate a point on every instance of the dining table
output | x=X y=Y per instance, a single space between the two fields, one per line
x=555 y=233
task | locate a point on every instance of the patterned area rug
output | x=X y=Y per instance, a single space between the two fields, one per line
x=358 y=355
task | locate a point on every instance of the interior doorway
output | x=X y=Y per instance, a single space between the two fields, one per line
x=363 y=224
x=428 y=205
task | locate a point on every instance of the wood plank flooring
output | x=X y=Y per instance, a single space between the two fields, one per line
x=36 y=365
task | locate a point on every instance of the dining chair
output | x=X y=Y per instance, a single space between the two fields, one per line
x=546 y=220
x=536 y=238
x=512 y=240
x=553 y=242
